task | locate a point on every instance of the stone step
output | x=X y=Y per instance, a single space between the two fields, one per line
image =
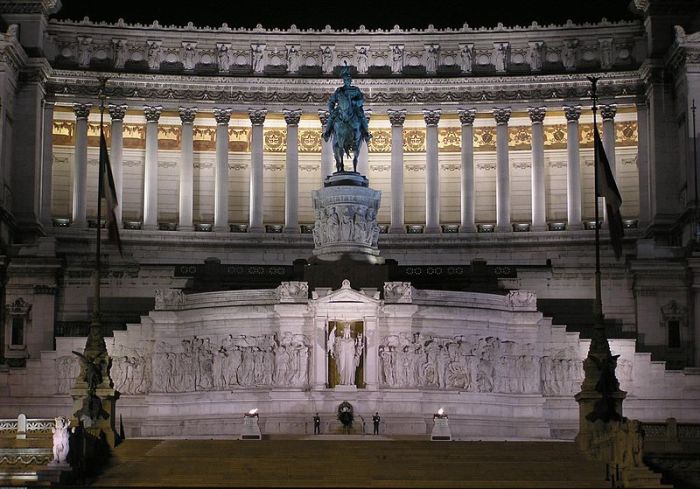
x=337 y=463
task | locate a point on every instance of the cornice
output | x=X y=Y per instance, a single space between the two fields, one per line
x=44 y=7
x=12 y=52
x=171 y=90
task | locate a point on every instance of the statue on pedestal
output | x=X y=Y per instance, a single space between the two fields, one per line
x=347 y=122
x=347 y=352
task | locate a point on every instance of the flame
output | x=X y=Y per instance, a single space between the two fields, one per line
x=440 y=411
x=253 y=411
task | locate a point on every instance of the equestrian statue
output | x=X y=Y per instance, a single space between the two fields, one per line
x=347 y=122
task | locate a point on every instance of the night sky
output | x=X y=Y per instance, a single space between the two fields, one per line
x=347 y=13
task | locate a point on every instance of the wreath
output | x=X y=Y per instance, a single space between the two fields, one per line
x=345 y=414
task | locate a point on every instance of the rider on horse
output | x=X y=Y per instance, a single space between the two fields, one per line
x=346 y=121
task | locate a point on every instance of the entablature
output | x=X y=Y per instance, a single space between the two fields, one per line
x=310 y=93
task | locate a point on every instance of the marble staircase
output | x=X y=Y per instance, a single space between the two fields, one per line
x=350 y=463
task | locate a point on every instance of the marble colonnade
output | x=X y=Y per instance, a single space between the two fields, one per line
x=396 y=116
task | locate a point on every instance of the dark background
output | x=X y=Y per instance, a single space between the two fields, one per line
x=347 y=13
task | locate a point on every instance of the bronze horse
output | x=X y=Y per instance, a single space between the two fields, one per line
x=347 y=122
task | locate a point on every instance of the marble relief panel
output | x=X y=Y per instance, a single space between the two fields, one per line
x=211 y=363
x=476 y=364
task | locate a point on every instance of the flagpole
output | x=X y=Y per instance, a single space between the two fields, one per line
x=98 y=262
x=598 y=303
x=695 y=156
x=95 y=344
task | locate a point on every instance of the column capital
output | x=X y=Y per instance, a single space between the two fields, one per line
x=502 y=115
x=537 y=114
x=292 y=116
x=187 y=114
x=323 y=116
x=397 y=117
x=257 y=116
x=467 y=116
x=222 y=116
x=152 y=112
x=117 y=111
x=608 y=111
x=82 y=111
x=572 y=112
x=431 y=116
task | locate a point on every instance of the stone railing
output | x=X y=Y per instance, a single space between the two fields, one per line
x=21 y=426
x=671 y=433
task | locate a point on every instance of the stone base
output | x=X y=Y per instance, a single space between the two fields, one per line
x=321 y=273
x=55 y=473
x=441 y=430
x=250 y=429
x=345 y=388
x=346 y=219
x=343 y=178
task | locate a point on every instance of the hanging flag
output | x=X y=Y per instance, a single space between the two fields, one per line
x=109 y=192
x=608 y=189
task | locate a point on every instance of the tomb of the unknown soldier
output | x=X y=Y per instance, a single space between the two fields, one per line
x=349 y=256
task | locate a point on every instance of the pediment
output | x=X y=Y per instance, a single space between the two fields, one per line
x=347 y=294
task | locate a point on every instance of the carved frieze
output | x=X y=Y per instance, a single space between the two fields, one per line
x=293 y=292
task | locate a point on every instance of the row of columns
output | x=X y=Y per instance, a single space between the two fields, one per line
x=292 y=117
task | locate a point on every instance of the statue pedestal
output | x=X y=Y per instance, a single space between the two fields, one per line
x=346 y=219
x=101 y=422
x=441 y=430
x=250 y=430
x=345 y=388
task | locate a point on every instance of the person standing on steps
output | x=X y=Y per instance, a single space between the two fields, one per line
x=376 y=419
x=317 y=424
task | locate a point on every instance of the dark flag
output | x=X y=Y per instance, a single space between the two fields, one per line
x=608 y=189
x=109 y=192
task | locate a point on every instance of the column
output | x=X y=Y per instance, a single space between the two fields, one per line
x=468 y=214
x=117 y=113
x=537 y=114
x=150 y=173
x=291 y=184
x=82 y=111
x=222 y=116
x=502 y=116
x=187 y=116
x=573 y=167
x=607 y=112
x=327 y=158
x=46 y=164
x=371 y=353
x=643 y=166
x=432 y=172
x=397 y=118
x=257 y=118
x=363 y=158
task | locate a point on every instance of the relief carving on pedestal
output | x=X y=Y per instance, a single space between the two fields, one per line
x=346 y=223
x=476 y=364
x=209 y=364
x=399 y=292
x=169 y=299
x=293 y=291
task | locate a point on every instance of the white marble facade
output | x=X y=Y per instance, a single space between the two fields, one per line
x=495 y=364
